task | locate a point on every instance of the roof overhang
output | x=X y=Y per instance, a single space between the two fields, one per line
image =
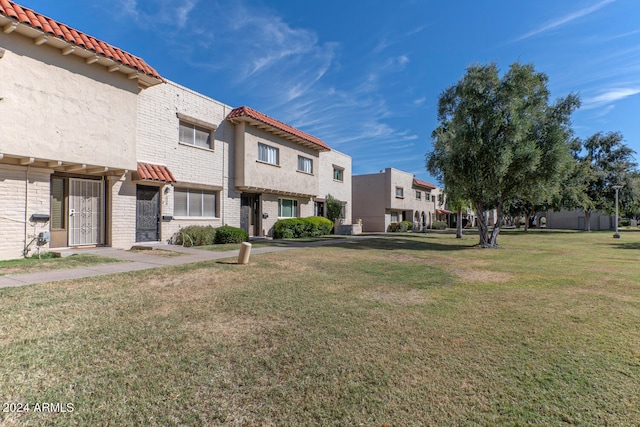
x=275 y=192
x=39 y=37
x=61 y=166
x=277 y=132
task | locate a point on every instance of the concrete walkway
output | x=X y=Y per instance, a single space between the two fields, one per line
x=145 y=261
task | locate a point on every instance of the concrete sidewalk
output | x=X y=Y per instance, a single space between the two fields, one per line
x=145 y=261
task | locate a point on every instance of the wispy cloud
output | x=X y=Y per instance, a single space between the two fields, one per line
x=609 y=96
x=563 y=20
x=163 y=12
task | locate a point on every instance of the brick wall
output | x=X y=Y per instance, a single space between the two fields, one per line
x=17 y=207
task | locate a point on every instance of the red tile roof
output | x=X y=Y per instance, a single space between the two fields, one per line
x=154 y=172
x=247 y=112
x=47 y=25
x=423 y=184
x=443 y=211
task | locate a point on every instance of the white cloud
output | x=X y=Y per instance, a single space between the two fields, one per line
x=564 y=20
x=161 y=13
x=608 y=97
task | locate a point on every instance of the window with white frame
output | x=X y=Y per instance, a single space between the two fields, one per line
x=305 y=164
x=268 y=154
x=418 y=195
x=338 y=174
x=197 y=203
x=399 y=192
x=287 y=208
x=195 y=135
x=394 y=216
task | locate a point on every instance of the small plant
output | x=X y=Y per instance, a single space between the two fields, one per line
x=43 y=255
x=406 y=226
x=394 y=226
x=196 y=235
x=439 y=225
x=228 y=234
x=624 y=223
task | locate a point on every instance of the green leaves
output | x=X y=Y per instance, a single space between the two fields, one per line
x=499 y=139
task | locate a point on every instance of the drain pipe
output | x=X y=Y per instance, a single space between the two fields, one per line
x=26 y=209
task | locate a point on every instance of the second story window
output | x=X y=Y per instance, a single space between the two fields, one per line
x=399 y=193
x=268 y=154
x=338 y=174
x=418 y=195
x=305 y=165
x=195 y=135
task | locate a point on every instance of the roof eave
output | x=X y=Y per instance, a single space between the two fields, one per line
x=278 y=132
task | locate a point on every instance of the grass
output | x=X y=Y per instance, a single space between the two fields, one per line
x=33 y=264
x=406 y=330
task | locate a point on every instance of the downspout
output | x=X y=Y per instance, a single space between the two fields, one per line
x=26 y=209
x=224 y=114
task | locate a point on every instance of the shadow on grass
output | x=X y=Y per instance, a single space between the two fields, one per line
x=626 y=245
x=386 y=243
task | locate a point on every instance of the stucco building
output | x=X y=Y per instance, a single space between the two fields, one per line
x=97 y=149
x=393 y=196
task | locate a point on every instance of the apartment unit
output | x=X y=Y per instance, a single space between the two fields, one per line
x=282 y=172
x=393 y=196
x=68 y=106
x=97 y=149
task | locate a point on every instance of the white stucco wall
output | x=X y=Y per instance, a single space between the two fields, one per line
x=57 y=107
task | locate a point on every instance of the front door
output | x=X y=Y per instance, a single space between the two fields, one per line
x=147 y=214
x=86 y=212
x=249 y=220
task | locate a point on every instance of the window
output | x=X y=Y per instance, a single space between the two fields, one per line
x=188 y=202
x=433 y=199
x=394 y=216
x=418 y=195
x=195 y=135
x=318 y=209
x=268 y=154
x=399 y=192
x=338 y=174
x=305 y=165
x=287 y=208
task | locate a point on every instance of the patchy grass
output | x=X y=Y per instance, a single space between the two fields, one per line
x=157 y=252
x=405 y=330
x=33 y=264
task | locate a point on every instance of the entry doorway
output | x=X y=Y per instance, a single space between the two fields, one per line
x=147 y=214
x=249 y=214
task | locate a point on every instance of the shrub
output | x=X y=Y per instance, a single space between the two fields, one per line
x=406 y=226
x=624 y=223
x=292 y=228
x=198 y=235
x=228 y=234
x=401 y=226
x=439 y=225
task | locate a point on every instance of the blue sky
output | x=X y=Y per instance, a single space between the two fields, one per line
x=364 y=76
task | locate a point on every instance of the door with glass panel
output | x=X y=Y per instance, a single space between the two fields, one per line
x=86 y=212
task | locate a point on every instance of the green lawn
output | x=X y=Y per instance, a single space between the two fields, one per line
x=33 y=264
x=406 y=330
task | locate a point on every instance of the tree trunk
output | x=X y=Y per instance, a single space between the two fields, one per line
x=527 y=218
x=483 y=227
x=493 y=241
x=587 y=220
x=459 y=224
x=517 y=221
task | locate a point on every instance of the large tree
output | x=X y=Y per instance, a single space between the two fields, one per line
x=499 y=139
x=600 y=162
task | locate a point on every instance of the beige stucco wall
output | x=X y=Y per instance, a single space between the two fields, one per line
x=269 y=206
x=284 y=177
x=341 y=190
x=24 y=191
x=374 y=198
x=59 y=108
x=574 y=220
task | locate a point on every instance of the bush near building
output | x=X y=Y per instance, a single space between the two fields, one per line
x=292 y=228
x=228 y=234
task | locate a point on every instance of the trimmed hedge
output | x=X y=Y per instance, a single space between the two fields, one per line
x=401 y=226
x=293 y=228
x=201 y=235
x=439 y=225
x=228 y=234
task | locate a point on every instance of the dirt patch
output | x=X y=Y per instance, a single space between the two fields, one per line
x=485 y=276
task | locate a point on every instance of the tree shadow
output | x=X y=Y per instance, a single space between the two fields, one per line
x=626 y=245
x=386 y=243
